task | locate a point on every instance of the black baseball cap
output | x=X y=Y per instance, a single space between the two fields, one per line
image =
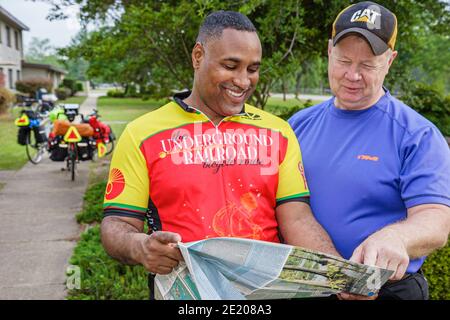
x=375 y=23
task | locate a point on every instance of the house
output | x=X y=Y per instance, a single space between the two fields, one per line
x=38 y=70
x=12 y=64
x=11 y=48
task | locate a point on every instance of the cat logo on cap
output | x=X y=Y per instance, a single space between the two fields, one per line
x=366 y=15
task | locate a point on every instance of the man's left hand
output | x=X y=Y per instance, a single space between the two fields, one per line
x=384 y=249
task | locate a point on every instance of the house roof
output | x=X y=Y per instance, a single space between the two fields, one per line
x=10 y=19
x=48 y=67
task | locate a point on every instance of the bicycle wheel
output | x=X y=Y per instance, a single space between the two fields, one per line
x=73 y=168
x=34 y=150
x=109 y=147
x=72 y=159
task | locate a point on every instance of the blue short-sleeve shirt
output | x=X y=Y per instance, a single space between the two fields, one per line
x=365 y=168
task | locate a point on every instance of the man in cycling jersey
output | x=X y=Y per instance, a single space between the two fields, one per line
x=207 y=164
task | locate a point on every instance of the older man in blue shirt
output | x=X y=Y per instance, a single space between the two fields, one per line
x=378 y=172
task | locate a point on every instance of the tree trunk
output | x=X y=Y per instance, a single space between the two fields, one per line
x=297 y=85
x=261 y=95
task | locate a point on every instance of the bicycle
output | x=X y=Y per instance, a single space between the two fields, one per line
x=71 y=142
x=72 y=138
x=72 y=152
x=103 y=133
x=33 y=133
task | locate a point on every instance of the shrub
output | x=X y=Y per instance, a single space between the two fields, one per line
x=93 y=204
x=71 y=84
x=7 y=98
x=430 y=103
x=287 y=112
x=79 y=87
x=31 y=85
x=115 y=93
x=437 y=272
x=131 y=92
x=103 y=278
x=63 y=93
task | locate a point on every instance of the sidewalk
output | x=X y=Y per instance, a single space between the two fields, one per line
x=38 y=230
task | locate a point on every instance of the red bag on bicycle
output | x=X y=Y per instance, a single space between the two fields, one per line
x=101 y=129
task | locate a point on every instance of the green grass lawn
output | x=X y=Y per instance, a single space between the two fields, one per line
x=120 y=111
x=12 y=155
x=75 y=100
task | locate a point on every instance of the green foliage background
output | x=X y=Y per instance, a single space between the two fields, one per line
x=431 y=103
x=149 y=42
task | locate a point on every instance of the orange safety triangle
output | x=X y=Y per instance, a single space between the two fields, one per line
x=23 y=121
x=101 y=149
x=72 y=135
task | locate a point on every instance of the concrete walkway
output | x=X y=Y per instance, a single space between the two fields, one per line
x=38 y=230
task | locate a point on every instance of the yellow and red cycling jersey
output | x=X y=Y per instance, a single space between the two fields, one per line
x=187 y=175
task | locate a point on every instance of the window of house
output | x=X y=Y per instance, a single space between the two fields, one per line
x=10 y=79
x=16 y=39
x=18 y=75
x=8 y=36
x=1 y=32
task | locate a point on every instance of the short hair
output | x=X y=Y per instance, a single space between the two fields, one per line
x=217 y=21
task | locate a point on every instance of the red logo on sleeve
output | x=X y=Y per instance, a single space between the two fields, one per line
x=116 y=184
x=302 y=172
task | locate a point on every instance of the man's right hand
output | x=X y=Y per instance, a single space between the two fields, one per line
x=158 y=252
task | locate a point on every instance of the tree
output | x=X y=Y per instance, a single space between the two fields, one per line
x=432 y=63
x=41 y=51
x=417 y=21
x=149 y=42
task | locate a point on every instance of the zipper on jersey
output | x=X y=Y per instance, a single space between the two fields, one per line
x=220 y=122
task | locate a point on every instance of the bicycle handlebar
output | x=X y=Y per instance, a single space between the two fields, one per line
x=93 y=113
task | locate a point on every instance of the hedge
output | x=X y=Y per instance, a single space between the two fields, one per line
x=63 y=93
x=115 y=93
x=103 y=278
x=430 y=103
x=93 y=202
x=31 y=85
x=7 y=98
x=70 y=84
x=437 y=272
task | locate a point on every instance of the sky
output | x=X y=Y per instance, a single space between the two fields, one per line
x=33 y=15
